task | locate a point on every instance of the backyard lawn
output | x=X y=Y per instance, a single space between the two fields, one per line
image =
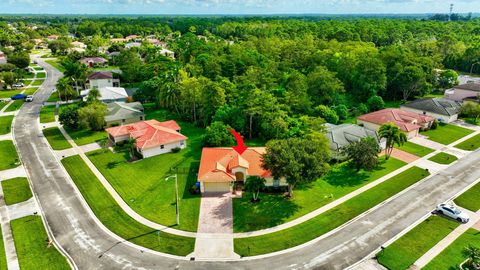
x=329 y=220
x=9 y=93
x=410 y=247
x=47 y=114
x=8 y=155
x=470 y=144
x=56 y=64
x=3 y=257
x=56 y=139
x=85 y=136
x=116 y=220
x=443 y=158
x=274 y=209
x=5 y=124
x=446 y=134
x=451 y=257
x=15 y=105
x=470 y=199
x=16 y=190
x=415 y=149
x=32 y=245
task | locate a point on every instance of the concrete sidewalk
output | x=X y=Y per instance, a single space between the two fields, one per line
x=22 y=209
x=12 y=173
x=10 y=251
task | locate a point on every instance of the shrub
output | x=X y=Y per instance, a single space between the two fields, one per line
x=69 y=117
x=375 y=103
x=342 y=111
x=217 y=134
x=327 y=113
x=176 y=149
x=434 y=124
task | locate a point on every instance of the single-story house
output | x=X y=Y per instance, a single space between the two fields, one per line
x=108 y=94
x=167 y=53
x=133 y=45
x=3 y=58
x=470 y=90
x=119 y=113
x=94 y=61
x=78 y=44
x=342 y=135
x=152 y=137
x=101 y=79
x=442 y=109
x=409 y=122
x=221 y=167
x=52 y=37
x=118 y=40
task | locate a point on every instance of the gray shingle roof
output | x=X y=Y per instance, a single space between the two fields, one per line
x=117 y=111
x=440 y=106
x=342 y=135
x=472 y=86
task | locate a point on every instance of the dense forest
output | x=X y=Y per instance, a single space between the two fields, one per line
x=269 y=77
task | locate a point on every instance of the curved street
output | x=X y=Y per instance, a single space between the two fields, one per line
x=91 y=246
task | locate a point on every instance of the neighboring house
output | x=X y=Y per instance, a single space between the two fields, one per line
x=119 y=113
x=132 y=45
x=152 y=137
x=118 y=40
x=52 y=37
x=130 y=37
x=94 y=61
x=221 y=167
x=340 y=136
x=78 y=44
x=409 y=122
x=470 y=90
x=101 y=79
x=108 y=94
x=3 y=58
x=167 y=53
x=442 y=109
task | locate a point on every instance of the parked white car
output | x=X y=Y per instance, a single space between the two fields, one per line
x=18 y=85
x=29 y=98
x=452 y=212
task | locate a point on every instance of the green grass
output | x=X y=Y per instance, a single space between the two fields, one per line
x=451 y=257
x=15 y=105
x=446 y=134
x=5 y=124
x=3 y=256
x=415 y=149
x=56 y=64
x=37 y=83
x=3 y=104
x=29 y=75
x=47 y=114
x=410 y=247
x=393 y=104
x=41 y=75
x=274 y=209
x=9 y=93
x=116 y=220
x=30 y=90
x=470 y=144
x=16 y=190
x=84 y=136
x=31 y=243
x=56 y=139
x=54 y=97
x=38 y=68
x=469 y=199
x=329 y=220
x=443 y=158
x=8 y=155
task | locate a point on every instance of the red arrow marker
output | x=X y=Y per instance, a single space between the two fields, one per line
x=240 y=147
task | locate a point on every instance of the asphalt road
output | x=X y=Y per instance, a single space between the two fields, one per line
x=91 y=246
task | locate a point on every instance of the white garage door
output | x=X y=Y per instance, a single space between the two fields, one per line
x=217 y=187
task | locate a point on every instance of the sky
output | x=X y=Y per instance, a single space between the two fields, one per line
x=235 y=6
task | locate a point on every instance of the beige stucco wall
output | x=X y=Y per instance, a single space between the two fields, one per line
x=167 y=148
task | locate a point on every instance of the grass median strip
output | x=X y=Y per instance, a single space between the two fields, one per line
x=56 y=139
x=32 y=245
x=329 y=220
x=470 y=144
x=16 y=190
x=8 y=155
x=443 y=158
x=470 y=199
x=415 y=149
x=116 y=220
x=6 y=124
x=410 y=247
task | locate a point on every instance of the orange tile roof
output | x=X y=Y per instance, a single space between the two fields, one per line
x=405 y=120
x=216 y=164
x=151 y=133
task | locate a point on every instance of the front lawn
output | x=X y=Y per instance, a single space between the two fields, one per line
x=3 y=104
x=443 y=158
x=470 y=199
x=9 y=93
x=30 y=90
x=275 y=209
x=41 y=75
x=470 y=144
x=8 y=155
x=446 y=134
x=56 y=139
x=54 y=97
x=415 y=149
x=329 y=220
x=116 y=220
x=15 y=105
x=56 y=64
x=37 y=83
x=3 y=256
x=16 y=190
x=410 y=247
x=5 y=124
x=85 y=136
x=451 y=257
x=47 y=114
x=32 y=245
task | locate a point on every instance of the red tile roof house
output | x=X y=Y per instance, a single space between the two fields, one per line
x=153 y=137
x=409 y=122
x=94 y=61
x=220 y=168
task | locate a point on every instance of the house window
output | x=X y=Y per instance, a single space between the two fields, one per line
x=162 y=146
x=123 y=121
x=276 y=182
x=182 y=143
x=141 y=118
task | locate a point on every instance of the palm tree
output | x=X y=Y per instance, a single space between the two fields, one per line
x=473 y=254
x=131 y=147
x=254 y=184
x=93 y=95
x=393 y=135
x=65 y=90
